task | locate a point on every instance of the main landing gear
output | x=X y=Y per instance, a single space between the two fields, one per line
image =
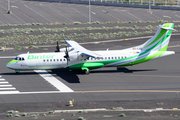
x=85 y=71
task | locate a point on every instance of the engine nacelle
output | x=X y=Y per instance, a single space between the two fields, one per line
x=69 y=49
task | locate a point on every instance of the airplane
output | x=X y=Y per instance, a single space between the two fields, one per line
x=76 y=57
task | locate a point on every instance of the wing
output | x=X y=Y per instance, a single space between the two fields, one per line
x=82 y=50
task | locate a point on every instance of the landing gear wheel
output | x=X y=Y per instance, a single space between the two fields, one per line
x=86 y=72
x=17 y=72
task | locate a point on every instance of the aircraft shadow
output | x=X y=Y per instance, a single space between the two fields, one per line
x=122 y=69
x=72 y=76
x=67 y=75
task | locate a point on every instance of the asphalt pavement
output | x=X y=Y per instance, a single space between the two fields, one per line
x=154 y=80
x=23 y=12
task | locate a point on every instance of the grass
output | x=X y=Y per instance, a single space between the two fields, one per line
x=24 y=114
x=34 y=115
x=10 y=111
x=17 y=115
x=9 y=115
x=50 y=112
x=122 y=115
x=80 y=118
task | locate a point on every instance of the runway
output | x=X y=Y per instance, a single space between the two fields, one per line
x=154 y=80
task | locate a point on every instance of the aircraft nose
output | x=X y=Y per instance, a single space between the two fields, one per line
x=8 y=65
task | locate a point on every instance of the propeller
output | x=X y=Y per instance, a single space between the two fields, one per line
x=66 y=55
x=57 y=47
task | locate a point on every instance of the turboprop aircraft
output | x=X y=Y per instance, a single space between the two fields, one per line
x=76 y=57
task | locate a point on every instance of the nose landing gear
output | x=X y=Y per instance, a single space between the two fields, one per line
x=17 y=72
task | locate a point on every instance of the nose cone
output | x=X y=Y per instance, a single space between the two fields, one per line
x=10 y=64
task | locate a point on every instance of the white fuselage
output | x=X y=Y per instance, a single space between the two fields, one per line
x=56 y=60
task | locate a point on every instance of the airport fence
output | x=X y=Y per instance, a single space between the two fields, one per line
x=155 y=4
x=174 y=3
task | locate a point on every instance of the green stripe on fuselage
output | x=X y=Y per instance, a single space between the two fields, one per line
x=13 y=61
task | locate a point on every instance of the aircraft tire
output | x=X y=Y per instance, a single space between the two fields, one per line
x=86 y=72
x=17 y=73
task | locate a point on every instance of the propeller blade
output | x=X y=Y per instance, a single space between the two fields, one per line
x=66 y=55
x=57 y=47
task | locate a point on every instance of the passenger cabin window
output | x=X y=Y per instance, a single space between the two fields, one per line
x=57 y=59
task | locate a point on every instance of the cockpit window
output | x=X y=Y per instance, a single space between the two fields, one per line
x=19 y=58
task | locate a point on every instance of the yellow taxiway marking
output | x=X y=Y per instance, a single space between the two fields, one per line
x=152 y=76
x=140 y=75
x=128 y=91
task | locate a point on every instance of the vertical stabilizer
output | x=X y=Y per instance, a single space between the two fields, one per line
x=160 y=41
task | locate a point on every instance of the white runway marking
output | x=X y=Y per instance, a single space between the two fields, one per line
x=7 y=56
x=93 y=12
x=8 y=88
x=5 y=85
x=52 y=80
x=9 y=92
x=3 y=82
x=39 y=92
x=177 y=16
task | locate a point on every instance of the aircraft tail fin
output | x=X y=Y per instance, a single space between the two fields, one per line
x=160 y=41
